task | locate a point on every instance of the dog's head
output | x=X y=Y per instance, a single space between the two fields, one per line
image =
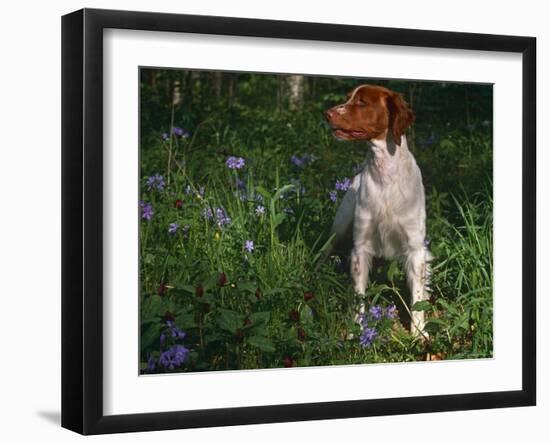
x=370 y=112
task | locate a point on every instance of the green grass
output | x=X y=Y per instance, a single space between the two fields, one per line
x=274 y=306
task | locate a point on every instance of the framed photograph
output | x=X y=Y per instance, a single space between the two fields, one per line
x=269 y=221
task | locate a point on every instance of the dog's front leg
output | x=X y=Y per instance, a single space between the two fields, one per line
x=361 y=260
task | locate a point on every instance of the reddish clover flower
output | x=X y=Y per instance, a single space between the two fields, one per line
x=199 y=290
x=222 y=279
x=288 y=362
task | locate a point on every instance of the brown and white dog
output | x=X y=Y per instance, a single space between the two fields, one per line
x=383 y=211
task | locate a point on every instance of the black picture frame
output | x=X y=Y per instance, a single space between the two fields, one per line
x=82 y=218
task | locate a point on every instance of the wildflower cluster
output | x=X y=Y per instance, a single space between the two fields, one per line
x=177 y=132
x=180 y=132
x=173 y=353
x=375 y=322
x=199 y=192
x=146 y=210
x=155 y=182
x=217 y=215
x=235 y=162
x=339 y=186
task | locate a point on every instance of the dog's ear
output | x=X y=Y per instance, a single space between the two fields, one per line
x=400 y=116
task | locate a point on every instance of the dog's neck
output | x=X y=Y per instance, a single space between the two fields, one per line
x=384 y=158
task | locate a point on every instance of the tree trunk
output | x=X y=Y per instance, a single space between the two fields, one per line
x=296 y=96
x=217 y=82
x=176 y=93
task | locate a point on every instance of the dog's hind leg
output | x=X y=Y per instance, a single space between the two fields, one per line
x=417 y=269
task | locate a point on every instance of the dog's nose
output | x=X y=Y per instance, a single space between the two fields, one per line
x=329 y=114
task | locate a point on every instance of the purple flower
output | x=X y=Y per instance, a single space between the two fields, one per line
x=368 y=336
x=376 y=312
x=333 y=196
x=162 y=339
x=151 y=364
x=260 y=210
x=343 y=185
x=241 y=184
x=180 y=132
x=155 y=182
x=174 y=356
x=173 y=227
x=235 y=162
x=165 y=136
x=288 y=211
x=391 y=311
x=146 y=210
x=219 y=215
x=222 y=219
x=297 y=161
x=241 y=195
x=249 y=245
x=175 y=331
x=207 y=213
x=302 y=161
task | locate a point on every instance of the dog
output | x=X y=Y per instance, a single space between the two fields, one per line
x=383 y=212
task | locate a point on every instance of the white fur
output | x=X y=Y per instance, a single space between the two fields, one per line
x=385 y=209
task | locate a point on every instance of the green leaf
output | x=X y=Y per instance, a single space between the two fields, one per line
x=230 y=320
x=247 y=286
x=393 y=270
x=208 y=299
x=423 y=305
x=185 y=288
x=263 y=192
x=434 y=324
x=152 y=307
x=282 y=190
x=278 y=219
x=186 y=321
x=259 y=318
x=150 y=334
x=275 y=291
x=261 y=342
x=213 y=338
x=376 y=289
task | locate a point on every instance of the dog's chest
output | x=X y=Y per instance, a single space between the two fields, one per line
x=382 y=205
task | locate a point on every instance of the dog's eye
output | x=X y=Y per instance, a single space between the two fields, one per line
x=362 y=102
